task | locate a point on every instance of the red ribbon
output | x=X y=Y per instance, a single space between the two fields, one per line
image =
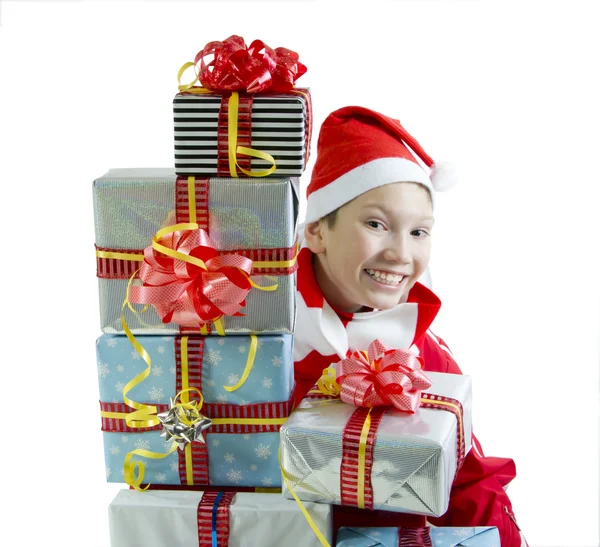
x=236 y=67
x=382 y=377
x=187 y=294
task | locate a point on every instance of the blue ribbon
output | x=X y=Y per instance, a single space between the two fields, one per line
x=214 y=519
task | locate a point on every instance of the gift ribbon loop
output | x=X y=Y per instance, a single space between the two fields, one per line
x=249 y=365
x=234 y=149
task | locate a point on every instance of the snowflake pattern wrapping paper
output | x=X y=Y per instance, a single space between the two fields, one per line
x=170 y=518
x=255 y=218
x=479 y=536
x=246 y=457
x=411 y=465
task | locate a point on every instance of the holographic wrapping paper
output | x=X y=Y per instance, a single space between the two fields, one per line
x=131 y=205
x=279 y=127
x=414 y=456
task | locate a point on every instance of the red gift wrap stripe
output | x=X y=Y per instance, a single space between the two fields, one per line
x=117 y=268
x=205 y=514
x=351 y=441
x=195 y=355
x=182 y=202
x=119 y=425
x=199 y=463
x=350 y=446
x=414 y=537
x=460 y=431
x=251 y=411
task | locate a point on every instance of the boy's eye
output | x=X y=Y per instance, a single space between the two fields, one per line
x=419 y=233
x=375 y=224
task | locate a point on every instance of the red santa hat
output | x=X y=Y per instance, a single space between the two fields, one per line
x=360 y=149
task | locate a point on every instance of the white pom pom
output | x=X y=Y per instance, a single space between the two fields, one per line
x=443 y=176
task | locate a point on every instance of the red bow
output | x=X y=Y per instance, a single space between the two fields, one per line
x=186 y=293
x=257 y=68
x=382 y=377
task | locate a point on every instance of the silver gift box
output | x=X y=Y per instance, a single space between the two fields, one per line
x=280 y=126
x=414 y=456
x=160 y=518
x=131 y=205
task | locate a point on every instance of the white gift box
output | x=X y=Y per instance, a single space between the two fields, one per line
x=414 y=455
x=160 y=518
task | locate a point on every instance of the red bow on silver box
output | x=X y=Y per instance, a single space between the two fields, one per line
x=380 y=376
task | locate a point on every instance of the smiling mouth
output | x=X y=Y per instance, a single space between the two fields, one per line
x=385 y=278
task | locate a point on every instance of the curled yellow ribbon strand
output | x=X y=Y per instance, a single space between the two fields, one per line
x=308 y=518
x=234 y=149
x=249 y=364
x=327 y=383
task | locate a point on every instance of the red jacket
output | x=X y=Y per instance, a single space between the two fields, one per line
x=477 y=497
x=323 y=335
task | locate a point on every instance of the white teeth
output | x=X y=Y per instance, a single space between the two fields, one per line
x=385 y=278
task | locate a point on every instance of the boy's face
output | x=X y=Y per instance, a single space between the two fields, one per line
x=378 y=248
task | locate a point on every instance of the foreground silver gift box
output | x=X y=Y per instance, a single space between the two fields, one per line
x=160 y=518
x=250 y=216
x=414 y=458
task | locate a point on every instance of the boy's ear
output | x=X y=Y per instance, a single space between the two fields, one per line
x=314 y=237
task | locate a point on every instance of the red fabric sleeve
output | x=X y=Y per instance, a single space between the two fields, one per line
x=477 y=497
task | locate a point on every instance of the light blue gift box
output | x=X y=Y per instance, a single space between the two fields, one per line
x=245 y=458
x=478 y=536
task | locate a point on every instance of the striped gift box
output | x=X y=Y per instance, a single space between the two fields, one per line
x=240 y=446
x=255 y=218
x=277 y=124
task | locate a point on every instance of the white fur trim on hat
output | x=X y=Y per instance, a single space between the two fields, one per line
x=443 y=176
x=361 y=179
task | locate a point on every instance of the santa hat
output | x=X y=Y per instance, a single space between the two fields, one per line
x=358 y=150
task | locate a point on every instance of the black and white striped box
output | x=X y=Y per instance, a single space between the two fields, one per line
x=280 y=126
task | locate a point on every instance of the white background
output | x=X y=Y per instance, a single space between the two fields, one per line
x=505 y=90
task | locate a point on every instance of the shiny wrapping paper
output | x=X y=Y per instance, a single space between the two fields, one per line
x=277 y=124
x=414 y=456
x=244 y=456
x=169 y=518
x=131 y=205
x=478 y=536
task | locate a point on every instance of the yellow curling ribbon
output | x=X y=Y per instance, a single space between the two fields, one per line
x=308 y=518
x=133 y=472
x=362 y=451
x=187 y=87
x=249 y=364
x=144 y=415
x=234 y=149
x=327 y=383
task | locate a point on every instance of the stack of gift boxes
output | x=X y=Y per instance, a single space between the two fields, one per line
x=196 y=271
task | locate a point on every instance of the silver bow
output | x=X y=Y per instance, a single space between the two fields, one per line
x=183 y=423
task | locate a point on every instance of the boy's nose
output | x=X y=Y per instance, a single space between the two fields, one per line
x=397 y=253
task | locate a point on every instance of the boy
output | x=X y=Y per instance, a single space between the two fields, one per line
x=366 y=243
